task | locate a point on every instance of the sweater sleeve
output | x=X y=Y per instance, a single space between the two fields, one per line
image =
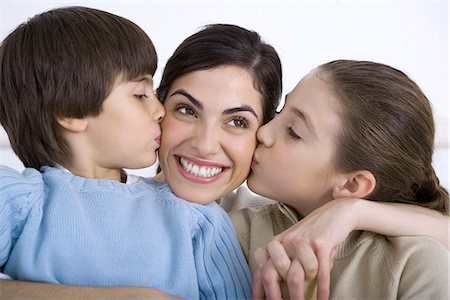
x=425 y=271
x=18 y=192
x=222 y=270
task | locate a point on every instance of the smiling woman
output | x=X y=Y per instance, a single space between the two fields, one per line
x=219 y=86
x=210 y=132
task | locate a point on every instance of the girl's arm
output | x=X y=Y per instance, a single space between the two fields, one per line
x=11 y=289
x=397 y=219
x=334 y=221
x=329 y=225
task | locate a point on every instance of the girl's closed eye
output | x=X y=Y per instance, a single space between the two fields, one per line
x=293 y=134
x=185 y=110
x=141 y=97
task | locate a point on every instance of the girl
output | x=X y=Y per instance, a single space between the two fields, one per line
x=350 y=129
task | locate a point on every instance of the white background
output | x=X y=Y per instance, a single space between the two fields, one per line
x=410 y=35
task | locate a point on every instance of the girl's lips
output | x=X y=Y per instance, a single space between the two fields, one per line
x=158 y=140
x=254 y=160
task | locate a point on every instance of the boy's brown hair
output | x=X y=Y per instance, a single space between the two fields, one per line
x=63 y=63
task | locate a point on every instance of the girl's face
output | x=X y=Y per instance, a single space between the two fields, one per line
x=209 y=132
x=294 y=161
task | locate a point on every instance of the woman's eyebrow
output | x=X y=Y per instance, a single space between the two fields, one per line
x=191 y=98
x=233 y=110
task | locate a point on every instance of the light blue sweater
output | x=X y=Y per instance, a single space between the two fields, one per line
x=59 y=228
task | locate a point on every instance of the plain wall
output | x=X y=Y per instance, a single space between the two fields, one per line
x=409 y=35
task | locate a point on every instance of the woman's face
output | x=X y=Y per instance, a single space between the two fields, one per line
x=294 y=161
x=209 y=132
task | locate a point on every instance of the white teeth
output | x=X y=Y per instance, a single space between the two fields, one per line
x=199 y=171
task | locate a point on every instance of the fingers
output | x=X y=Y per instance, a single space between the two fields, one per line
x=279 y=257
x=258 y=288
x=299 y=274
x=295 y=281
x=307 y=258
x=271 y=281
x=307 y=274
x=267 y=276
x=261 y=258
x=323 y=275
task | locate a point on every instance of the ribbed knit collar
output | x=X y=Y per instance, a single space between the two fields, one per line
x=91 y=184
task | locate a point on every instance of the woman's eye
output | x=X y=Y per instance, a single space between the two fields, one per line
x=238 y=122
x=185 y=110
x=292 y=134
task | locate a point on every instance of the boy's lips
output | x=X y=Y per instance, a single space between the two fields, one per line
x=158 y=140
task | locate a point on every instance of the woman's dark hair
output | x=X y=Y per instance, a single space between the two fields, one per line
x=388 y=129
x=222 y=44
x=64 y=63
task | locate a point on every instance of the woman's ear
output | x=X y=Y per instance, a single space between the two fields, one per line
x=356 y=184
x=73 y=124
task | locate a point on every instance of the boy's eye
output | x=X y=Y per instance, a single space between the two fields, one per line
x=185 y=110
x=238 y=122
x=292 y=134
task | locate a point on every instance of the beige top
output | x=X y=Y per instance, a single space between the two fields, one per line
x=366 y=265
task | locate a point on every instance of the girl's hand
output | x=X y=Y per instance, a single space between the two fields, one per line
x=267 y=279
x=311 y=243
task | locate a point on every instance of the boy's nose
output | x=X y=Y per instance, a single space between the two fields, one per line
x=158 y=112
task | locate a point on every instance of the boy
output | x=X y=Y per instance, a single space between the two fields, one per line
x=77 y=102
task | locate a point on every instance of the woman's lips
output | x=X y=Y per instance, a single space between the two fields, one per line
x=199 y=171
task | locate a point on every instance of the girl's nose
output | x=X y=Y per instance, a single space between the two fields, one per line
x=265 y=135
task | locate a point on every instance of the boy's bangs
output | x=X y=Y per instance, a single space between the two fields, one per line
x=137 y=60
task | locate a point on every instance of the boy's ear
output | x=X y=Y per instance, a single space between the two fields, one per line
x=356 y=184
x=73 y=124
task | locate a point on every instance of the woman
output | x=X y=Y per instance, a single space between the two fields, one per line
x=218 y=87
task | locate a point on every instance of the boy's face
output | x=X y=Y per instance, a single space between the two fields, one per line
x=209 y=132
x=294 y=163
x=126 y=134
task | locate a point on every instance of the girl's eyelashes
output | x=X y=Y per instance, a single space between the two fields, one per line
x=185 y=109
x=292 y=134
x=141 y=97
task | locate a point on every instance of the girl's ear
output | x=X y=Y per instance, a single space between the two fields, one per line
x=356 y=184
x=73 y=124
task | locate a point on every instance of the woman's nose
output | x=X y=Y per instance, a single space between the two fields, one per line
x=206 y=141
